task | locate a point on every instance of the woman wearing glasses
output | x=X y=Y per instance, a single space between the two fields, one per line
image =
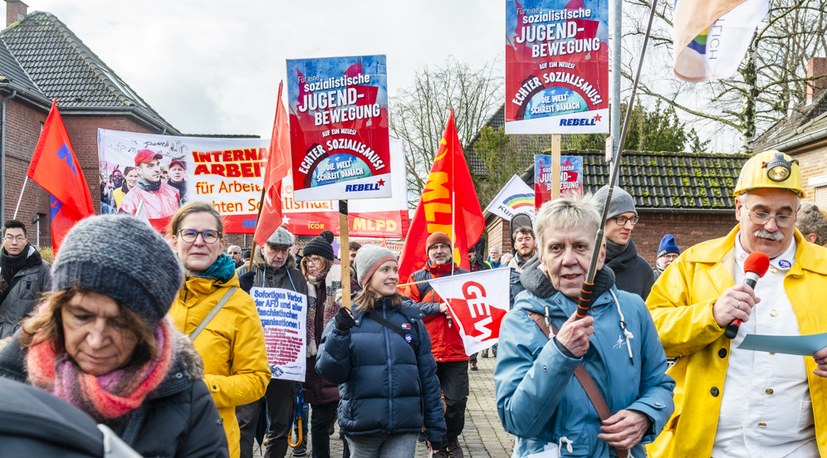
x=231 y=341
x=324 y=279
x=632 y=272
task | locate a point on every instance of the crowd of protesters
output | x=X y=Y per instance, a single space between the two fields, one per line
x=153 y=344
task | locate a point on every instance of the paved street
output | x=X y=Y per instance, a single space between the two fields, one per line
x=483 y=436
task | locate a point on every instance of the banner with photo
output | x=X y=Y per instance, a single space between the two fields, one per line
x=556 y=67
x=571 y=178
x=227 y=173
x=159 y=173
x=339 y=128
x=283 y=315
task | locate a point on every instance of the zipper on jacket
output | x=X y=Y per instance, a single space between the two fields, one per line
x=386 y=332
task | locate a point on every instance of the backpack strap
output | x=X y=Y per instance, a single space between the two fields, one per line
x=586 y=381
x=212 y=313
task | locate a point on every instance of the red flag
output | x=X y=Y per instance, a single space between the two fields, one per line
x=448 y=204
x=278 y=166
x=56 y=169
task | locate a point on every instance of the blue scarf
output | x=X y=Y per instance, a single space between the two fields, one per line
x=222 y=269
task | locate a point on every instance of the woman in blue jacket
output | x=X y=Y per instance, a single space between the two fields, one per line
x=380 y=355
x=538 y=397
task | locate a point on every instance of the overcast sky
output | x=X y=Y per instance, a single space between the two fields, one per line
x=213 y=67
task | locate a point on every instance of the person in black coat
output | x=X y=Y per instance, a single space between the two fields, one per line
x=380 y=355
x=100 y=341
x=633 y=273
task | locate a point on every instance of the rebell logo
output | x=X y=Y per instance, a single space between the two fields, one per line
x=578 y=122
x=364 y=186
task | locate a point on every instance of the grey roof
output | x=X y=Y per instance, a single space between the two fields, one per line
x=808 y=122
x=665 y=181
x=43 y=58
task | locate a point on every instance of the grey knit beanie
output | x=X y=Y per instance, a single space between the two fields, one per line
x=368 y=259
x=622 y=202
x=123 y=258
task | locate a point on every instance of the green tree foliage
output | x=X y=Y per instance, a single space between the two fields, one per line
x=503 y=156
x=657 y=129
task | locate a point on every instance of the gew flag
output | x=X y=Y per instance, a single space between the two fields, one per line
x=56 y=169
x=711 y=36
x=478 y=301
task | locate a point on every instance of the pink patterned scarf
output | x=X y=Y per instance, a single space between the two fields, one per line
x=103 y=397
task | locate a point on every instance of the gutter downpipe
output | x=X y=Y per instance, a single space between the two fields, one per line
x=3 y=156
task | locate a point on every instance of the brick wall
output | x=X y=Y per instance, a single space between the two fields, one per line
x=813 y=164
x=688 y=228
x=23 y=125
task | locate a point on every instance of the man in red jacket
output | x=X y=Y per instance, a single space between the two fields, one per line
x=446 y=344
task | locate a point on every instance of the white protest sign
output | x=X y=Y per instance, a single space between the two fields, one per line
x=283 y=316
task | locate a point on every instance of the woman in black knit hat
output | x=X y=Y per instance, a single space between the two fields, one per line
x=324 y=279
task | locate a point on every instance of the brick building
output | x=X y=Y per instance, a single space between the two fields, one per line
x=688 y=195
x=41 y=59
x=803 y=134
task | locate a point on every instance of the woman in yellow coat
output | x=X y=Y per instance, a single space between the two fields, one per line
x=232 y=343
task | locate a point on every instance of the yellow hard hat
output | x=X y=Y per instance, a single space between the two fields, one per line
x=770 y=169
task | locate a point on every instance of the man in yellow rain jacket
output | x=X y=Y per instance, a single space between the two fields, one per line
x=732 y=402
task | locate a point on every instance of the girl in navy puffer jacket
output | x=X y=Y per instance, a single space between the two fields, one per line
x=380 y=355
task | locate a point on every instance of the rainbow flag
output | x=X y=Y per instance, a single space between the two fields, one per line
x=515 y=197
x=711 y=36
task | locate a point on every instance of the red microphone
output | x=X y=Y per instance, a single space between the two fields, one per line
x=755 y=266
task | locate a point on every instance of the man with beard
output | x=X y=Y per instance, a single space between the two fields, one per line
x=156 y=198
x=525 y=246
x=23 y=276
x=446 y=343
x=272 y=267
x=632 y=272
x=730 y=401
x=176 y=171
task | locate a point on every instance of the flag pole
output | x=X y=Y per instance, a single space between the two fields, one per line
x=256 y=248
x=587 y=291
x=17 y=207
x=344 y=252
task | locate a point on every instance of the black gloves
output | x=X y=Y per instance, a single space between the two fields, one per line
x=343 y=320
x=436 y=446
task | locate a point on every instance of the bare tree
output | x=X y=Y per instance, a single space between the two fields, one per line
x=419 y=114
x=771 y=82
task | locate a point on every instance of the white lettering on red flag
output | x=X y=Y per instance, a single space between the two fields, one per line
x=478 y=301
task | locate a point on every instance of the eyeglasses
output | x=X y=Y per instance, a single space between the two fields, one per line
x=19 y=238
x=762 y=218
x=440 y=246
x=622 y=220
x=313 y=260
x=208 y=235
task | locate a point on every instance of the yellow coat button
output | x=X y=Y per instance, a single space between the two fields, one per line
x=762 y=424
x=769 y=391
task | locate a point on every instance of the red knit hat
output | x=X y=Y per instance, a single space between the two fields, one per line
x=437 y=237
